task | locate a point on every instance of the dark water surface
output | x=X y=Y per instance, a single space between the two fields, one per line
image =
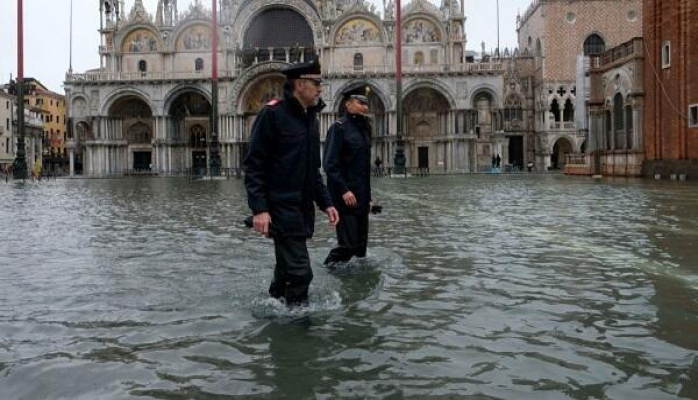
x=490 y=287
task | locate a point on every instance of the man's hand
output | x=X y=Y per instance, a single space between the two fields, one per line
x=349 y=199
x=262 y=223
x=332 y=215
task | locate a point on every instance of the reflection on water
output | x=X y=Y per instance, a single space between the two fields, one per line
x=495 y=287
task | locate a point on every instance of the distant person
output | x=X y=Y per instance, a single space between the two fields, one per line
x=347 y=163
x=499 y=161
x=282 y=178
x=378 y=162
x=530 y=166
x=494 y=161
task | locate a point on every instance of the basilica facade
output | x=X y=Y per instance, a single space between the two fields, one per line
x=148 y=106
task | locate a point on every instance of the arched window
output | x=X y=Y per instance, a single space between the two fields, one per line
x=358 y=62
x=539 y=48
x=199 y=64
x=512 y=109
x=290 y=30
x=142 y=66
x=594 y=44
x=619 y=121
x=555 y=110
x=568 y=112
x=629 y=125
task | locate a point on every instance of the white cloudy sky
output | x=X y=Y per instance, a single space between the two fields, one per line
x=46 y=38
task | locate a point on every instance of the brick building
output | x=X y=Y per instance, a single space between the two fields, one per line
x=671 y=87
x=560 y=35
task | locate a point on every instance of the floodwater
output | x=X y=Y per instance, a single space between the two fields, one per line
x=493 y=287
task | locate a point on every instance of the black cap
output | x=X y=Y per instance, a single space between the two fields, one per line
x=310 y=70
x=360 y=93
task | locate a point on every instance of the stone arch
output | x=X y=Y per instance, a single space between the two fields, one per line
x=248 y=76
x=485 y=88
x=425 y=109
x=433 y=84
x=123 y=37
x=178 y=90
x=561 y=146
x=79 y=106
x=621 y=82
x=412 y=18
x=250 y=10
x=259 y=91
x=205 y=25
x=345 y=19
x=118 y=94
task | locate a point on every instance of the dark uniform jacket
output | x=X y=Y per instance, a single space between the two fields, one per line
x=282 y=168
x=347 y=162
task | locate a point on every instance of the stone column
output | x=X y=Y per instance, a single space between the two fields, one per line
x=72 y=161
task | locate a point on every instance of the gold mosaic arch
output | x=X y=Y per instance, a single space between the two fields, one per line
x=421 y=30
x=141 y=41
x=195 y=37
x=357 y=31
x=261 y=91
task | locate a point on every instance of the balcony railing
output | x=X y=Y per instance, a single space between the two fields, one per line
x=416 y=69
x=348 y=70
x=617 y=53
x=144 y=76
x=562 y=126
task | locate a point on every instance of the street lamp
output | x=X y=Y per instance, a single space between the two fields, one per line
x=399 y=160
x=19 y=167
x=214 y=150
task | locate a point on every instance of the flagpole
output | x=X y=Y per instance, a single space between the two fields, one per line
x=19 y=168
x=399 y=160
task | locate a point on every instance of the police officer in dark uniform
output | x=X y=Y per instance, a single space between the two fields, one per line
x=282 y=178
x=347 y=162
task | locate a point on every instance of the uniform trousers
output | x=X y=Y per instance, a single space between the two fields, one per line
x=352 y=238
x=292 y=274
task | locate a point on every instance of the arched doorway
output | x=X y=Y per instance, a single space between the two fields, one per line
x=426 y=117
x=136 y=118
x=291 y=31
x=561 y=149
x=191 y=113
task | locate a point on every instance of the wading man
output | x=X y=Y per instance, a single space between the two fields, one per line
x=347 y=162
x=282 y=178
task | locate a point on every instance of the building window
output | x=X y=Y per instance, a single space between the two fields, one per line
x=358 y=62
x=199 y=64
x=629 y=126
x=142 y=66
x=594 y=44
x=666 y=54
x=539 y=48
x=693 y=116
x=555 y=110
x=568 y=111
x=7 y=124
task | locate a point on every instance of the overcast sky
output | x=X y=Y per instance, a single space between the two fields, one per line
x=47 y=33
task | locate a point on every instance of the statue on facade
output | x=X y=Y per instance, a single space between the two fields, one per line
x=390 y=10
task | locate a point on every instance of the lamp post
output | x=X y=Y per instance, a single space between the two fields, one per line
x=399 y=159
x=19 y=167
x=214 y=145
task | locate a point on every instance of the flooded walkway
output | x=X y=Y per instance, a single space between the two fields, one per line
x=502 y=287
